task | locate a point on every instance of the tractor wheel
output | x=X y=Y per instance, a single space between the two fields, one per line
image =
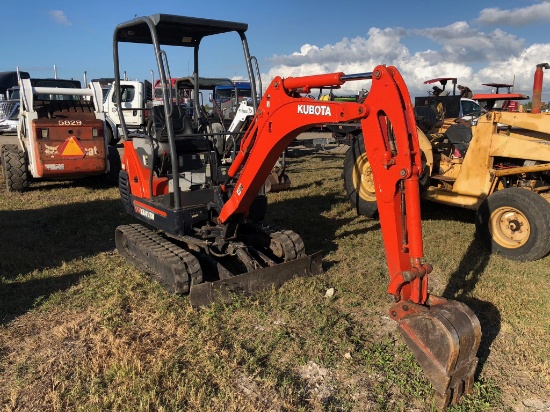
x=515 y=223
x=14 y=168
x=358 y=179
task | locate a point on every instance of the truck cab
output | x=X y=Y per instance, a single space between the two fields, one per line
x=448 y=104
x=136 y=98
x=228 y=96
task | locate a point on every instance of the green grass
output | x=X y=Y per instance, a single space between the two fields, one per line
x=81 y=329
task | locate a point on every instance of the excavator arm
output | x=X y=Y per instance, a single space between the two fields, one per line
x=443 y=335
x=392 y=146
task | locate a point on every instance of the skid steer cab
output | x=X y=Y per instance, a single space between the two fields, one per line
x=199 y=189
x=60 y=134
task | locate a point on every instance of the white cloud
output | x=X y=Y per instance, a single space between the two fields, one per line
x=473 y=56
x=59 y=17
x=519 y=69
x=516 y=17
x=462 y=43
x=383 y=44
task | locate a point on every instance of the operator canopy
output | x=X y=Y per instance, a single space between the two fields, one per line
x=174 y=30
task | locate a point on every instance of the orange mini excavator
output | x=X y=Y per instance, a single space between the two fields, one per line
x=200 y=189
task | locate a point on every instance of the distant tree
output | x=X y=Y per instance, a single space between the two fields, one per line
x=529 y=105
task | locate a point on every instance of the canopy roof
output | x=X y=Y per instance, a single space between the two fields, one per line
x=174 y=30
x=442 y=80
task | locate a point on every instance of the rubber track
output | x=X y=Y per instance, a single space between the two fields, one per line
x=291 y=242
x=164 y=251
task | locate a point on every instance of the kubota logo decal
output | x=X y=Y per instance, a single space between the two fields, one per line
x=314 y=109
x=145 y=213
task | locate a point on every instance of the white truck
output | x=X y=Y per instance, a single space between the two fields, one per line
x=136 y=97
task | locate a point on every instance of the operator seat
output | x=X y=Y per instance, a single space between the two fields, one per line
x=426 y=117
x=460 y=136
x=185 y=138
x=180 y=121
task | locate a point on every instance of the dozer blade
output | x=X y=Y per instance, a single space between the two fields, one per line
x=255 y=281
x=444 y=339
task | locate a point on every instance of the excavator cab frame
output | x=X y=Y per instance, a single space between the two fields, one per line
x=170 y=30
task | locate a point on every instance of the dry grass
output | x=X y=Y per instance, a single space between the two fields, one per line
x=84 y=330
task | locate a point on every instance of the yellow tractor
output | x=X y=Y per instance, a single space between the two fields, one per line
x=499 y=166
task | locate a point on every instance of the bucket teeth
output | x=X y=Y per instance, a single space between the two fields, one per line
x=444 y=339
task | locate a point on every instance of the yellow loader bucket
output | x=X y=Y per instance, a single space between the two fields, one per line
x=444 y=337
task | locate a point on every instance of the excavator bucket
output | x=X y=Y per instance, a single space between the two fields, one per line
x=444 y=339
x=255 y=281
x=277 y=183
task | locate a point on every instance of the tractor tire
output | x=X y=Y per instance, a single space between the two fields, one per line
x=14 y=168
x=358 y=181
x=515 y=222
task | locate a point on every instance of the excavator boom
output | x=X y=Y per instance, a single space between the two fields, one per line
x=443 y=335
x=392 y=144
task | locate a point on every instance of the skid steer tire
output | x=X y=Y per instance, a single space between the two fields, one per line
x=358 y=181
x=14 y=168
x=515 y=222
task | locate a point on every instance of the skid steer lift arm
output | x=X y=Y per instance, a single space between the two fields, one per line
x=444 y=335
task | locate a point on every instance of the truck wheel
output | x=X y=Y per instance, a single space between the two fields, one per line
x=14 y=168
x=515 y=223
x=358 y=181
x=109 y=137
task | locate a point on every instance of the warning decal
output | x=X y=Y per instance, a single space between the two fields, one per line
x=72 y=148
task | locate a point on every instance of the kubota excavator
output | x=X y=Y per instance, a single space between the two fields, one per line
x=206 y=211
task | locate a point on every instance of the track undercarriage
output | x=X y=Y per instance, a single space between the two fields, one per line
x=210 y=269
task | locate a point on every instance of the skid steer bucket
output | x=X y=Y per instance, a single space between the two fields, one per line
x=255 y=281
x=444 y=339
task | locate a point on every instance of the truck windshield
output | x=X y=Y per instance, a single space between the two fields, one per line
x=158 y=93
x=226 y=94
x=470 y=108
x=128 y=93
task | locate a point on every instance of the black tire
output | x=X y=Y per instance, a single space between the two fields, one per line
x=515 y=223
x=115 y=165
x=109 y=136
x=358 y=181
x=14 y=168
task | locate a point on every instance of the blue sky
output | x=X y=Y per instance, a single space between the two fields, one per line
x=478 y=41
